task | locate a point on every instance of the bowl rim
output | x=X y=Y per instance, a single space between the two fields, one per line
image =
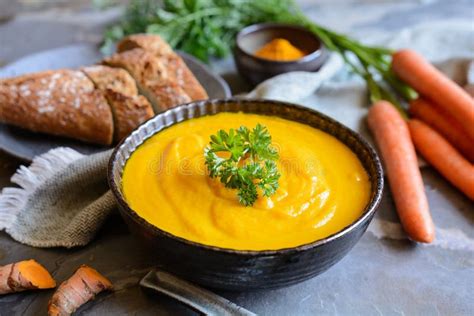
x=368 y=212
x=318 y=53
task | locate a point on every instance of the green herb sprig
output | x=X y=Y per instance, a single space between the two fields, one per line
x=207 y=28
x=244 y=160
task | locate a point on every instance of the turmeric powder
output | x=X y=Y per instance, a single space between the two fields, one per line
x=279 y=49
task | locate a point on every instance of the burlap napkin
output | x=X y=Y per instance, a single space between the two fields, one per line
x=63 y=197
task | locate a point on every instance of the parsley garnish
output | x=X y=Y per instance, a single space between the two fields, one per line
x=244 y=159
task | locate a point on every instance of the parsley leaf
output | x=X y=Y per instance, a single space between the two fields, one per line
x=244 y=160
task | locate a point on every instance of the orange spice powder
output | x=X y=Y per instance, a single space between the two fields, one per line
x=279 y=49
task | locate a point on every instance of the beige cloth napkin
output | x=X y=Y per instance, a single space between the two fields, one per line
x=63 y=198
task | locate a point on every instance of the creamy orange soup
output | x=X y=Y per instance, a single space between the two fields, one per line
x=323 y=186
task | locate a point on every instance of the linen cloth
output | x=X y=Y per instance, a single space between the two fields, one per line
x=62 y=198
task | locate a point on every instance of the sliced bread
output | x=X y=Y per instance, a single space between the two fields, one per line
x=151 y=76
x=177 y=68
x=59 y=102
x=129 y=109
x=148 y=42
x=129 y=112
x=180 y=73
x=111 y=78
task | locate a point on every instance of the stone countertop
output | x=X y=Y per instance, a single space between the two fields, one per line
x=380 y=276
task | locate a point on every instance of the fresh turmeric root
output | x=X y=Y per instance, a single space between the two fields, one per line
x=24 y=275
x=83 y=286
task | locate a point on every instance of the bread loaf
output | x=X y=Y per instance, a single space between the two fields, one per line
x=116 y=79
x=151 y=76
x=180 y=73
x=60 y=102
x=177 y=69
x=128 y=108
x=129 y=112
x=152 y=43
x=101 y=103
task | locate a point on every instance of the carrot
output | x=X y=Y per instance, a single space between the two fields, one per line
x=24 y=275
x=393 y=139
x=443 y=157
x=433 y=84
x=81 y=287
x=445 y=124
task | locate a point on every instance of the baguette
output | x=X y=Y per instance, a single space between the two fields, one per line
x=60 y=102
x=128 y=108
x=116 y=79
x=151 y=76
x=165 y=95
x=129 y=112
x=180 y=73
x=177 y=69
x=148 y=42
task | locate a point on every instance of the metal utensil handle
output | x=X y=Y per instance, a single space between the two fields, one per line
x=197 y=298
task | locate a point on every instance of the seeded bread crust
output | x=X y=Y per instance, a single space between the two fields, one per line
x=167 y=94
x=142 y=65
x=177 y=69
x=148 y=42
x=129 y=112
x=151 y=76
x=129 y=109
x=116 y=79
x=61 y=102
x=181 y=74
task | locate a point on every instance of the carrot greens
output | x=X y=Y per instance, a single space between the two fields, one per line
x=207 y=28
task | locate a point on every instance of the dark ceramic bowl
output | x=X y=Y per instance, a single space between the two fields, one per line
x=236 y=269
x=253 y=37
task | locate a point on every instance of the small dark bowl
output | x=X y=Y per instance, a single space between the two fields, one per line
x=253 y=37
x=236 y=269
